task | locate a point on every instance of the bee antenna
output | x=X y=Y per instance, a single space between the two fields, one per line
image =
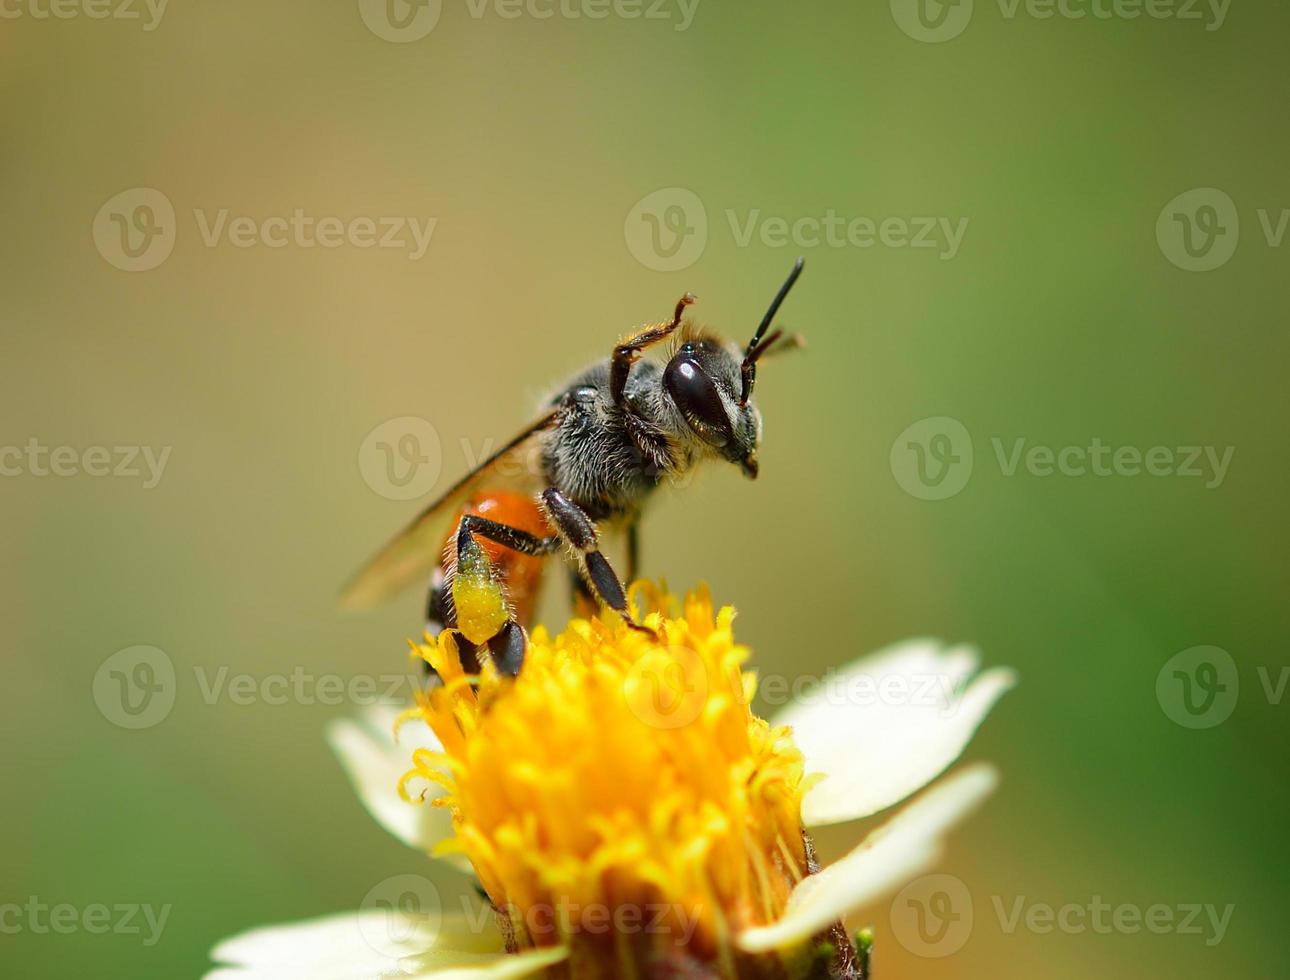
x=748 y=370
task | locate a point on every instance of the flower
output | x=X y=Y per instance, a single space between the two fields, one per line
x=627 y=815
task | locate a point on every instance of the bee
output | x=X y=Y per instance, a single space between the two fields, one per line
x=588 y=463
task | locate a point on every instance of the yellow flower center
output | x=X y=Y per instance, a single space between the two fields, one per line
x=621 y=784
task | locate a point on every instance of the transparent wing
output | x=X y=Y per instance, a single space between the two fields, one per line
x=411 y=554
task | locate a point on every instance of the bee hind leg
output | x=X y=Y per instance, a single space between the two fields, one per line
x=483 y=616
x=508 y=648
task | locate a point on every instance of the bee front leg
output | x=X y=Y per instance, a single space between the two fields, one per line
x=576 y=528
x=626 y=353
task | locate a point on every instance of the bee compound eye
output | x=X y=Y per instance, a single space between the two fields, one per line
x=700 y=402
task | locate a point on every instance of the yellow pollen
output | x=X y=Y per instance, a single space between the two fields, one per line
x=478 y=599
x=619 y=771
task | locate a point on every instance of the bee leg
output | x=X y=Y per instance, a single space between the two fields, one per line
x=625 y=354
x=481 y=612
x=578 y=530
x=508 y=647
x=583 y=599
x=633 y=550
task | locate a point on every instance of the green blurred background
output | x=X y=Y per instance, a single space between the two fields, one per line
x=1061 y=318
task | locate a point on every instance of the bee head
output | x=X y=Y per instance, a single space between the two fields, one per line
x=702 y=380
x=711 y=385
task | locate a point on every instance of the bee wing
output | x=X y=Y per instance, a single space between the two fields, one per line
x=412 y=553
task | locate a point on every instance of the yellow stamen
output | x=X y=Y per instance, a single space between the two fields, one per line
x=618 y=771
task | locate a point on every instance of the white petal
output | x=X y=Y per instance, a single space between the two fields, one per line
x=375 y=763
x=889 y=857
x=336 y=947
x=887 y=725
